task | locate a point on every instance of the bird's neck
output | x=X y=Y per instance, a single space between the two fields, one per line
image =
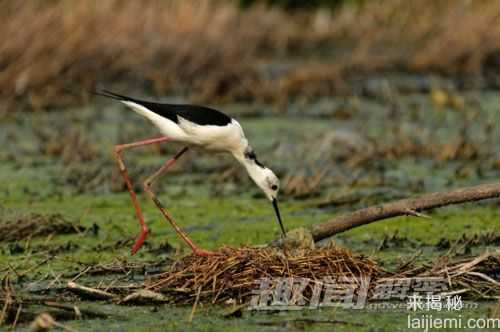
x=250 y=162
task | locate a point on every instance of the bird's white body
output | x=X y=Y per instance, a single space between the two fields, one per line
x=196 y=126
x=229 y=138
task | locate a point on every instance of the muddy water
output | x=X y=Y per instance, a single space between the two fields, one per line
x=367 y=150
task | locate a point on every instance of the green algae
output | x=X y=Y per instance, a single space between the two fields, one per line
x=233 y=213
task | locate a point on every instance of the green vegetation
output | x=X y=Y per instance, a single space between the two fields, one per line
x=61 y=162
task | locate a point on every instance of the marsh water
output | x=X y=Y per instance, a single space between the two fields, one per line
x=333 y=155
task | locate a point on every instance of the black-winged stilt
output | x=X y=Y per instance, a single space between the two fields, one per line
x=198 y=126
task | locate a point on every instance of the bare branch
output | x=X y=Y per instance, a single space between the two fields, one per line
x=410 y=206
x=89 y=292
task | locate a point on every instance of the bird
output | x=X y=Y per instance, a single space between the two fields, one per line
x=194 y=126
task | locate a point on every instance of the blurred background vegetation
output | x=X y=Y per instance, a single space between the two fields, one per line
x=278 y=51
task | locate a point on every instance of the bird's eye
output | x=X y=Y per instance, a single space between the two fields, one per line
x=274 y=187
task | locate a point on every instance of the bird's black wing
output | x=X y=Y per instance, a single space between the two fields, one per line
x=200 y=115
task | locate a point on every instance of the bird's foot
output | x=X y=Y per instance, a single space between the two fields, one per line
x=140 y=241
x=203 y=253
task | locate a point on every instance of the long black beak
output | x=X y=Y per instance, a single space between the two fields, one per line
x=277 y=210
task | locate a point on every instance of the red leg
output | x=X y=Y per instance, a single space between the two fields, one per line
x=123 y=170
x=166 y=214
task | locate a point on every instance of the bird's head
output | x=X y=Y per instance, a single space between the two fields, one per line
x=267 y=181
x=270 y=185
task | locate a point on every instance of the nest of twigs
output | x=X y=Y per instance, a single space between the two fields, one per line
x=233 y=275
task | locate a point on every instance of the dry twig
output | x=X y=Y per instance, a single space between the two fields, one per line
x=233 y=274
x=89 y=292
x=425 y=202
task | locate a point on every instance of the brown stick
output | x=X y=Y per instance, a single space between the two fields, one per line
x=410 y=206
x=89 y=292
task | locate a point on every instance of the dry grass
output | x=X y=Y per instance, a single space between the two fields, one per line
x=475 y=277
x=212 y=51
x=171 y=46
x=27 y=227
x=233 y=275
